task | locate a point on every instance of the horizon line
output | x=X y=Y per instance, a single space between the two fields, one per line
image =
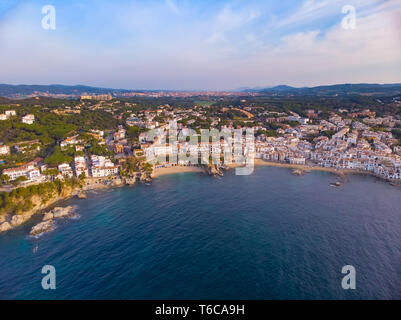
x=240 y=89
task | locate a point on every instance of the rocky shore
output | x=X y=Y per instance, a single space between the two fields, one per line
x=9 y=222
x=49 y=218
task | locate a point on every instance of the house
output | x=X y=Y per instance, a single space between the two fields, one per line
x=118 y=148
x=102 y=167
x=297 y=160
x=97 y=134
x=28 y=119
x=4 y=150
x=27 y=146
x=80 y=166
x=3 y=116
x=69 y=141
x=10 y=113
x=30 y=171
x=79 y=148
x=298 y=119
x=120 y=134
x=65 y=170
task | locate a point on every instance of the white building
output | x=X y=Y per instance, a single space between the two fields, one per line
x=120 y=134
x=69 y=141
x=10 y=113
x=80 y=166
x=30 y=171
x=28 y=119
x=4 y=150
x=102 y=167
x=297 y=160
x=65 y=170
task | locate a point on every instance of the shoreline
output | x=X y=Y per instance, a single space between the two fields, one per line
x=17 y=220
x=305 y=168
x=158 y=172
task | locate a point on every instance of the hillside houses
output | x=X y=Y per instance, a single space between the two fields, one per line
x=7 y=114
x=28 y=146
x=70 y=141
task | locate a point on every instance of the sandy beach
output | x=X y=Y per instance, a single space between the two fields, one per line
x=258 y=163
x=177 y=169
x=261 y=163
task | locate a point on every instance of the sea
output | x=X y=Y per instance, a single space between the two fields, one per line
x=269 y=235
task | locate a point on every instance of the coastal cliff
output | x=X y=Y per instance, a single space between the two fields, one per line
x=21 y=204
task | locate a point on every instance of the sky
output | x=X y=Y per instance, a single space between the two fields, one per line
x=200 y=45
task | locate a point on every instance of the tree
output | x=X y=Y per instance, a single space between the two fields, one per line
x=19 y=180
x=4 y=178
x=58 y=157
x=328 y=133
x=51 y=172
x=100 y=150
x=148 y=167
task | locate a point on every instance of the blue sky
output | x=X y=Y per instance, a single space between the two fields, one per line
x=208 y=45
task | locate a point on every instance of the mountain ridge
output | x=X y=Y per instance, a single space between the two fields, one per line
x=25 y=90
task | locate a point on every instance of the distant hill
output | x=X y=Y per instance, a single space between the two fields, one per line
x=339 y=89
x=56 y=90
x=13 y=91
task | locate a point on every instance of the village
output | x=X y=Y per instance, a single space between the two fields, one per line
x=142 y=142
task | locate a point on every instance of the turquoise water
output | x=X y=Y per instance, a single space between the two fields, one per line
x=270 y=235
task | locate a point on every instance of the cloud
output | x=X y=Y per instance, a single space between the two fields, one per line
x=172 y=5
x=370 y=53
x=223 y=47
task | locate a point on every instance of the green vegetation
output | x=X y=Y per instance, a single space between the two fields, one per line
x=99 y=149
x=148 y=167
x=202 y=103
x=267 y=133
x=397 y=134
x=53 y=172
x=292 y=124
x=21 y=199
x=134 y=132
x=4 y=178
x=58 y=157
x=328 y=133
x=129 y=167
